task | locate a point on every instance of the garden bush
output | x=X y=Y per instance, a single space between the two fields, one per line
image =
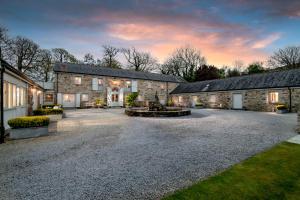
x=51 y=106
x=27 y=122
x=130 y=99
x=48 y=111
x=281 y=107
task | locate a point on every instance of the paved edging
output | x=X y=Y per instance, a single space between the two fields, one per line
x=295 y=140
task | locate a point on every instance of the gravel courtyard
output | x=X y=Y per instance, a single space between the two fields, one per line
x=103 y=154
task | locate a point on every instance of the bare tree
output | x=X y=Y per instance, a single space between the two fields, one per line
x=23 y=52
x=139 y=61
x=43 y=67
x=288 y=57
x=4 y=42
x=184 y=62
x=110 y=57
x=62 y=55
x=89 y=59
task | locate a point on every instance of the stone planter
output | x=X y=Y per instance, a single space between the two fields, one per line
x=282 y=111
x=54 y=118
x=22 y=133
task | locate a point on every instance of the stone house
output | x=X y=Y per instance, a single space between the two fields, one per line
x=21 y=95
x=259 y=92
x=80 y=85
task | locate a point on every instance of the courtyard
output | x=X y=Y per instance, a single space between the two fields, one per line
x=104 y=154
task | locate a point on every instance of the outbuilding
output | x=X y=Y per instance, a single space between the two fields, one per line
x=21 y=95
x=259 y=92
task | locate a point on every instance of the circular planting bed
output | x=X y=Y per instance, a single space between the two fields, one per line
x=169 y=112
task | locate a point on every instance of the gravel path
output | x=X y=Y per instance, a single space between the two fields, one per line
x=103 y=154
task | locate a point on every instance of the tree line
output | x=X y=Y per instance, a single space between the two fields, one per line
x=186 y=62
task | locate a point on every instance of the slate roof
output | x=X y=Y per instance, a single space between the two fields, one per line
x=19 y=73
x=105 y=71
x=288 y=78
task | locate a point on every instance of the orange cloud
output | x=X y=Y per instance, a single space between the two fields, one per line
x=219 y=48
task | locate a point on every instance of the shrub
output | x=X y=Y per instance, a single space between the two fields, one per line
x=170 y=103
x=27 y=122
x=47 y=111
x=281 y=107
x=199 y=104
x=51 y=106
x=130 y=99
x=99 y=102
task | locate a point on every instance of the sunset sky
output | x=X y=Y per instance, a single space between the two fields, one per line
x=223 y=31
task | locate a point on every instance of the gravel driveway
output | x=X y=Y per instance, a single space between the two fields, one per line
x=103 y=154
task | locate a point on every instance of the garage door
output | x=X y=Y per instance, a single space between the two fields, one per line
x=237 y=101
x=68 y=100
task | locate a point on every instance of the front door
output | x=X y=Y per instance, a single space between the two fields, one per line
x=237 y=101
x=68 y=100
x=114 y=97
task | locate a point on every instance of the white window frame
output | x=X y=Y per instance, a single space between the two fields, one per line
x=77 y=80
x=273 y=97
x=128 y=84
x=84 y=97
x=212 y=98
x=46 y=100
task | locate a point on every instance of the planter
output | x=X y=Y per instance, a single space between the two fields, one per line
x=54 y=118
x=282 y=111
x=22 y=133
x=199 y=107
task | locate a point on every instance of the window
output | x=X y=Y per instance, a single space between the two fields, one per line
x=162 y=86
x=18 y=97
x=49 y=98
x=273 y=97
x=149 y=84
x=14 y=96
x=180 y=99
x=212 y=98
x=68 y=98
x=77 y=80
x=100 y=82
x=84 y=97
x=128 y=84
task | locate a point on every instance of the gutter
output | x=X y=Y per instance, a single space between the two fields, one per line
x=2 y=129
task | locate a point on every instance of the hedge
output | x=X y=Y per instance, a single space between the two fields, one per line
x=51 y=106
x=27 y=122
x=48 y=111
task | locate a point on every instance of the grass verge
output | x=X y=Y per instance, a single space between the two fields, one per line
x=274 y=174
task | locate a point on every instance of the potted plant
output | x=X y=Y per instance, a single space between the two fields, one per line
x=281 y=109
x=99 y=103
x=131 y=98
x=199 y=105
x=54 y=113
x=28 y=127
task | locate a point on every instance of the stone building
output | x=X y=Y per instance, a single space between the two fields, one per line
x=80 y=85
x=259 y=92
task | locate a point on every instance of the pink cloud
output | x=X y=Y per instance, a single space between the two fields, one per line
x=218 y=48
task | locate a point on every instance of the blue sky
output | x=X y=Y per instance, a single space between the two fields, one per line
x=224 y=31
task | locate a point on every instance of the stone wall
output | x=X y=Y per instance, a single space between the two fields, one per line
x=256 y=99
x=146 y=88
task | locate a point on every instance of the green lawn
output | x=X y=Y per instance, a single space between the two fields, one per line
x=274 y=174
